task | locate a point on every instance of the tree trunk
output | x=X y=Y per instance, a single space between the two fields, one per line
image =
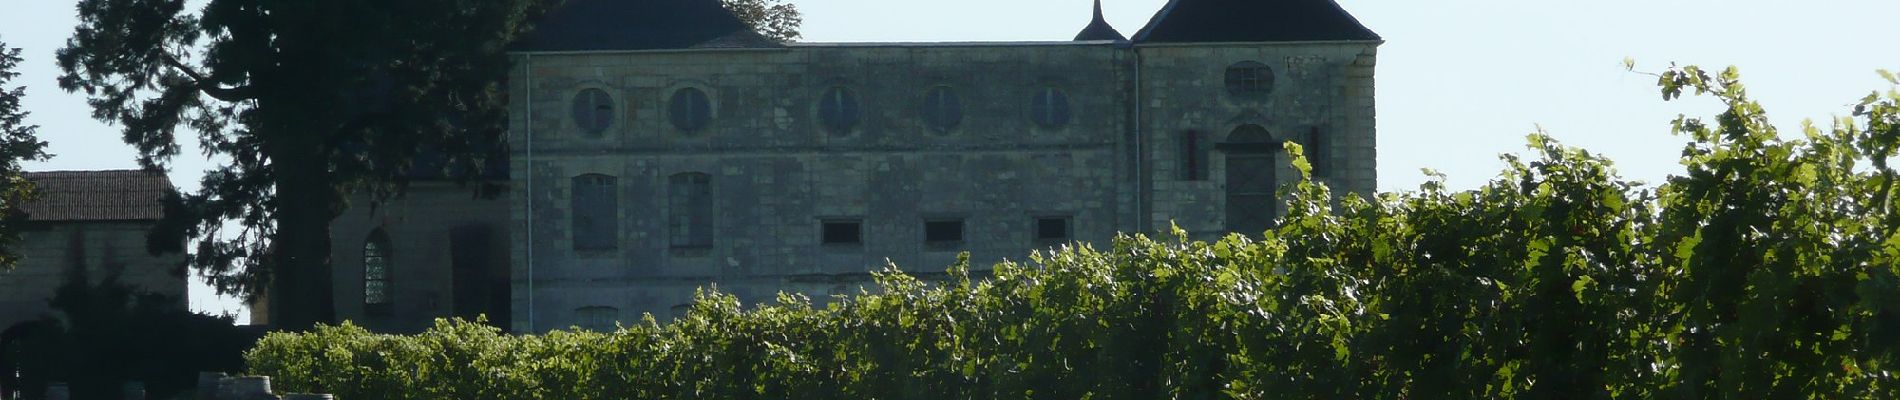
x=301 y=290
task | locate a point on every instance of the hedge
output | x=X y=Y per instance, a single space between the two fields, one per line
x=1768 y=270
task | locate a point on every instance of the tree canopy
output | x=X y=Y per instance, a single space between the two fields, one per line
x=19 y=142
x=302 y=102
x=776 y=19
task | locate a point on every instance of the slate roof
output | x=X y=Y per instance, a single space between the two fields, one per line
x=123 y=195
x=595 y=25
x=1099 y=29
x=1206 y=21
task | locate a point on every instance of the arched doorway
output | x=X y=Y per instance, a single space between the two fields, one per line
x=1251 y=179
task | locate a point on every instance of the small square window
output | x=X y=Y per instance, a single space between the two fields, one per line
x=943 y=231
x=1052 y=229
x=847 y=232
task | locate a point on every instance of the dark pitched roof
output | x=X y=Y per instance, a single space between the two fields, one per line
x=1099 y=29
x=1186 y=21
x=125 y=195
x=586 y=25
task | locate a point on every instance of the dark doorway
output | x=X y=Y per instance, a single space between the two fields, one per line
x=480 y=278
x=23 y=362
x=1251 y=180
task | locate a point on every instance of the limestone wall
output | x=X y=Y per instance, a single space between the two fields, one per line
x=420 y=226
x=1323 y=86
x=776 y=172
x=47 y=251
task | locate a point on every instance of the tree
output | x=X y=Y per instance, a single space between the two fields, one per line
x=304 y=101
x=775 y=19
x=17 y=143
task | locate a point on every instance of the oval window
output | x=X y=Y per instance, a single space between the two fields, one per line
x=942 y=110
x=690 y=110
x=1249 y=79
x=1050 y=108
x=593 y=111
x=838 y=110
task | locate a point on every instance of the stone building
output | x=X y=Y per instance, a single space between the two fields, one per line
x=660 y=146
x=91 y=220
x=440 y=250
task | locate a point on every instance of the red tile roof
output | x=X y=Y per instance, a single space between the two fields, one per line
x=123 y=195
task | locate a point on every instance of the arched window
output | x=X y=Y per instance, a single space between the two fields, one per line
x=1251 y=179
x=838 y=110
x=376 y=272
x=690 y=208
x=1050 y=108
x=596 y=210
x=1248 y=79
x=597 y=318
x=690 y=110
x=593 y=111
x=943 y=111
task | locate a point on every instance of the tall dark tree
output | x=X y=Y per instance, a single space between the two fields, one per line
x=302 y=102
x=776 y=19
x=18 y=142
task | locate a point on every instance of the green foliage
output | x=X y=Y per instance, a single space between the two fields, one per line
x=1770 y=270
x=304 y=102
x=18 y=143
x=776 y=19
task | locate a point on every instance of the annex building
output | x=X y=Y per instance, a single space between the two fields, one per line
x=659 y=146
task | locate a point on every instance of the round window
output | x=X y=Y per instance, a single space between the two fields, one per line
x=942 y=110
x=1050 y=108
x=1249 y=79
x=690 y=110
x=838 y=110
x=593 y=111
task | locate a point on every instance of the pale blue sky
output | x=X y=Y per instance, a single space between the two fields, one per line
x=1460 y=81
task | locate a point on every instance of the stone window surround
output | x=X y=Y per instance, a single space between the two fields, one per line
x=611 y=214
x=699 y=241
x=825 y=223
x=1036 y=228
x=377 y=249
x=1060 y=117
x=851 y=97
x=951 y=109
x=712 y=108
x=1248 y=80
x=963 y=232
x=613 y=114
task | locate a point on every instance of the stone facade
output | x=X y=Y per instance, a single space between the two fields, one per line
x=777 y=173
x=806 y=166
x=445 y=253
x=91 y=220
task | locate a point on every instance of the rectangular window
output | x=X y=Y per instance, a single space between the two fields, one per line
x=596 y=212
x=1194 y=156
x=597 y=318
x=943 y=231
x=690 y=203
x=1052 y=229
x=843 y=232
